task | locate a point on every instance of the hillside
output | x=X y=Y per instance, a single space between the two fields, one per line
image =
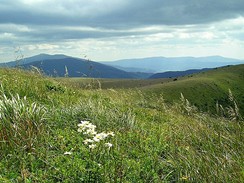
x=175 y=74
x=204 y=89
x=53 y=132
x=77 y=68
x=163 y=64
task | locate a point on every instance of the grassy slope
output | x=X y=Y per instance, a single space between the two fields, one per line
x=153 y=142
x=203 y=90
x=206 y=89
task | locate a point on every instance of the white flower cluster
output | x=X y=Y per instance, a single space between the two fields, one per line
x=89 y=129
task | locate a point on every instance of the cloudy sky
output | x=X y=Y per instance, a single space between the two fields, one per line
x=105 y=30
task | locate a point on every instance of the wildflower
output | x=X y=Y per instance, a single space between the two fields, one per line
x=80 y=130
x=96 y=139
x=90 y=130
x=92 y=146
x=109 y=145
x=87 y=128
x=83 y=124
x=67 y=153
x=100 y=136
x=90 y=126
x=88 y=141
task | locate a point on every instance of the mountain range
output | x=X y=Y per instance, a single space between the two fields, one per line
x=163 y=64
x=74 y=67
x=156 y=67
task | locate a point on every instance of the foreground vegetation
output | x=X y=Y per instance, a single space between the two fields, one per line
x=53 y=132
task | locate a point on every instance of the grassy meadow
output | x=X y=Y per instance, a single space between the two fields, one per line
x=89 y=130
x=203 y=90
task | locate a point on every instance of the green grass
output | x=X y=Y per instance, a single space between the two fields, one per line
x=153 y=142
x=204 y=90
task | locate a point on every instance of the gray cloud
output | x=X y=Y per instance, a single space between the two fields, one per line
x=39 y=34
x=111 y=18
x=120 y=13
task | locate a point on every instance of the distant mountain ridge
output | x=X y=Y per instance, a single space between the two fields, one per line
x=35 y=58
x=78 y=68
x=55 y=65
x=174 y=74
x=163 y=64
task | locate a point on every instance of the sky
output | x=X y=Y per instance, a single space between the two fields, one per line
x=106 y=30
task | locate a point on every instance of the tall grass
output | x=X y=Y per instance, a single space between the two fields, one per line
x=22 y=123
x=206 y=150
